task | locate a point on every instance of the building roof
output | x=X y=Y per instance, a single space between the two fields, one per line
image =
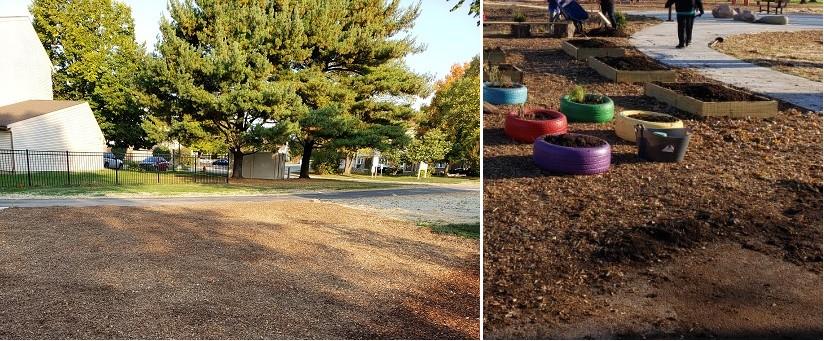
x=25 y=110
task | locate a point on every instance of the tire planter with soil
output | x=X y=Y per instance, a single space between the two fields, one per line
x=534 y=123
x=572 y=153
x=626 y=121
x=670 y=146
x=501 y=96
x=582 y=112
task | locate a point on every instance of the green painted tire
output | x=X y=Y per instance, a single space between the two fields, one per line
x=577 y=112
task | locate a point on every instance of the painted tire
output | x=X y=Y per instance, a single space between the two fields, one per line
x=500 y=96
x=569 y=160
x=526 y=131
x=577 y=112
x=625 y=124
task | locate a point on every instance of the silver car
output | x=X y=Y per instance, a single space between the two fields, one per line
x=111 y=161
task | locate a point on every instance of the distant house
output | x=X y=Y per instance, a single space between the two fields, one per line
x=29 y=117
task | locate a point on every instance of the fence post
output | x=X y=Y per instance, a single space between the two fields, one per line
x=28 y=167
x=68 y=171
x=117 y=170
x=157 y=170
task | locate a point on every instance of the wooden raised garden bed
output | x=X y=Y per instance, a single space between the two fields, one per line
x=508 y=72
x=494 y=56
x=633 y=69
x=559 y=29
x=707 y=99
x=581 y=49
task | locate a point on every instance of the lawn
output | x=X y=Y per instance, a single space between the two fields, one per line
x=279 y=270
x=726 y=244
x=234 y=187
x=796 y=53
x=471 y=231
x=407 y=178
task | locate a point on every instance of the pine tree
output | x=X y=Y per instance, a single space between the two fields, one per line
x=228 y=65
x=92 y=46
x=352 y=79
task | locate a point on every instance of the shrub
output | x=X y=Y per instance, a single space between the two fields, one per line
x=620 y=20
x=325 y=161
x=578 y=94
x=161 y=151
x=519 y=17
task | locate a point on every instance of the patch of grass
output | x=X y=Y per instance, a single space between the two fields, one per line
x=408 y=178
x=235 y=187
x=471 y=231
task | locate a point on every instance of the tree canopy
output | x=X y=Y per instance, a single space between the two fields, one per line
x=92 y=46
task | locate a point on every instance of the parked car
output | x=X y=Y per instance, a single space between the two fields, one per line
x=111 y=161
x=221 y=162
x=155 y=163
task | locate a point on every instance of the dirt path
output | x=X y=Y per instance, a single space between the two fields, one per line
x=248 y=270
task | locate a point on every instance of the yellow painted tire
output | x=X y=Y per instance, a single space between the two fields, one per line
x=625 y=124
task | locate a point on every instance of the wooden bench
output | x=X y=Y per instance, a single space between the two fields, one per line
x=778 y=8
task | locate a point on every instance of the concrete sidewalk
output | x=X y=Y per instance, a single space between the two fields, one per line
x=659 y=42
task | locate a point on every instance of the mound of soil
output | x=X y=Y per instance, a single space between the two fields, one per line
x=632 y=63
x=538 y=116
x=505 y=85
x=574 y=141
x=708 y=92
x=591 y=99
x=607 y=32
x=653 y=118
x=591 y=43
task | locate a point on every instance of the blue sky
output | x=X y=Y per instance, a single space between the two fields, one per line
x=450 y=37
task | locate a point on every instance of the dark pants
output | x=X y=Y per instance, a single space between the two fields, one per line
x=685 y=28
x=608 y=8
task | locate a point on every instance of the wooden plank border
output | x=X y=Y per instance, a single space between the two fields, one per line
x=584 y=53
x=734 y=109
x=625 y=76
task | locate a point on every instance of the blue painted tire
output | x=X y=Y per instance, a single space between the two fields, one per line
x=571 y=160
x=500 y=96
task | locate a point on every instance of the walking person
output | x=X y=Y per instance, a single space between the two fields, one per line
x=608 y=9
x=685 y=13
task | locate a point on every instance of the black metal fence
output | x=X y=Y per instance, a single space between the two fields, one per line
x=30 y=168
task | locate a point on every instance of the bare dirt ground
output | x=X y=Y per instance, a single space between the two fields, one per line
x=658 y=5
x=795 y=53
x=250 y=271
x=726 y=244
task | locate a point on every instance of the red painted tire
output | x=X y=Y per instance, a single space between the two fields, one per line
x=526 y=130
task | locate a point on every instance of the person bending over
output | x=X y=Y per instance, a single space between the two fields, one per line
x=608 y=8
x=685 y=13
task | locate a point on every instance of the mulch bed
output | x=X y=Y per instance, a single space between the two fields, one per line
x=561 y=251
x=633 y=63
x=708 y=92
x=591 y=43
x=574 y=141
x=275 y=270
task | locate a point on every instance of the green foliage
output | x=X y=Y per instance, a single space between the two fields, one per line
x=161 y=151
x=620 y=20
x=432 y=146
x=455 y=110
x=92 y=46
x=183 y=156
x=519 y=17
x=578 y=94
x=474 y=7
x=326 y=161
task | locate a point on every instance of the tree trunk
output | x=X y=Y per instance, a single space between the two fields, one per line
x=446 y=169
x=307 y=157
x=237 y=164
x=347 y=164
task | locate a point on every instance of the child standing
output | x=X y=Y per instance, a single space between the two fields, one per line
x=685 y=11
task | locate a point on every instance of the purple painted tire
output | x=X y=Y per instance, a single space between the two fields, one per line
x=571 y=160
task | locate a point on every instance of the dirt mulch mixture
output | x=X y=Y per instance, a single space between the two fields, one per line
x=700 y=248
x=709 y=92
x=231 y=271
x=575 y=141
x=654 y=118
x=633 y=63
x=796 y=53
x=591 y=43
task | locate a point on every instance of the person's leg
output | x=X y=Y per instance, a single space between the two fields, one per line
x=688 y=33
x=681 y=21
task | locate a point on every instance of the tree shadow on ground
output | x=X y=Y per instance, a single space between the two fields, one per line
x=192 y=272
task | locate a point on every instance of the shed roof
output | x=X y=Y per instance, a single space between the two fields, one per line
x=25 y=110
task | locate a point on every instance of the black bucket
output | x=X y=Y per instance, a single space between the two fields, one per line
x=657 y=148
